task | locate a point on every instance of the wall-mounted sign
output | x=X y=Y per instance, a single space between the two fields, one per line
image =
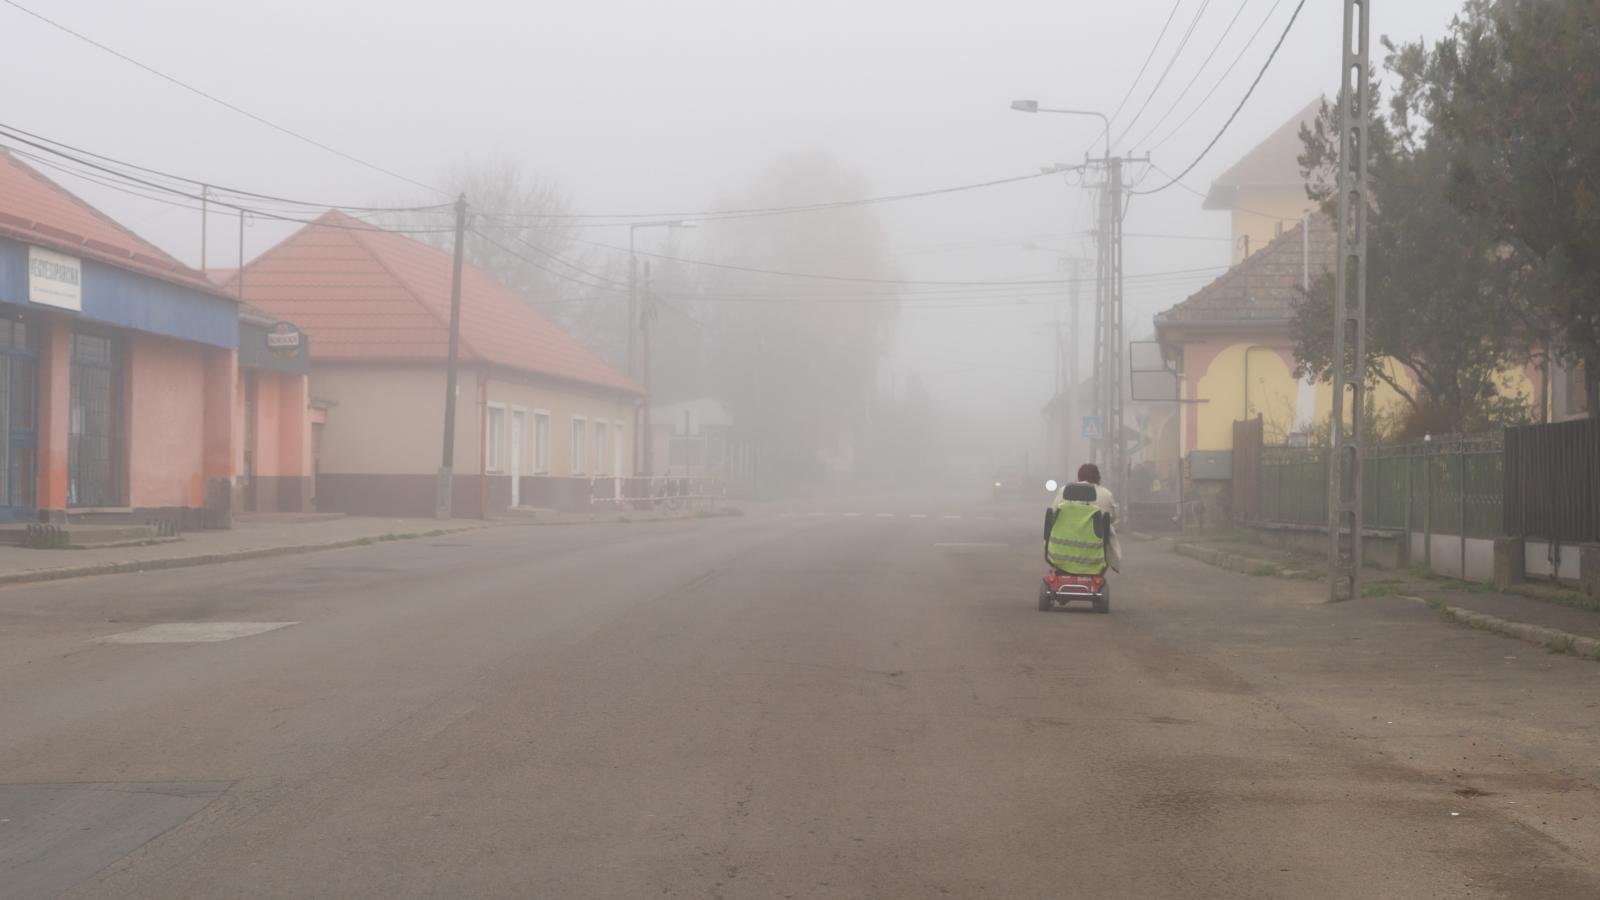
x=284 y=340
x=55 y=279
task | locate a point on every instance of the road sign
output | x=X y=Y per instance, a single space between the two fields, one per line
x=1092 y=429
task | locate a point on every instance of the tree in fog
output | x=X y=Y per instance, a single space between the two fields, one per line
x=1511 y=97
x=796 y=358
x=1439 y=291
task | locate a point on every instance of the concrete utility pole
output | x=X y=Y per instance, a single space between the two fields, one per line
x=1350 y=310
x=442 y=504
x=647 y=315
x=1112 y=451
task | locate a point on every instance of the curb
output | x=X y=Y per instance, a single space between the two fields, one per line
x=206 y=559
x=1551 y=639
x=1234 y=562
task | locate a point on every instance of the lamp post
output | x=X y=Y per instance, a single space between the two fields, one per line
x=1032 y=106
x=639 y=321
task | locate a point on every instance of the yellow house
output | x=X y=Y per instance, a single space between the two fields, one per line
x=1264 y=190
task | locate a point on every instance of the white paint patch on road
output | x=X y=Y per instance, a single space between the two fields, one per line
x=919 y=515
x=192 y=632
x=885 y=515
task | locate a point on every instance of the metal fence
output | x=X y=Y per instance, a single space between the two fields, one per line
x=1431 y=486
x=1553 y=481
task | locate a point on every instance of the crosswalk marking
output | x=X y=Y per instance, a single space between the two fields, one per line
x=852 y=515
x=884 y=515
x=919 y=515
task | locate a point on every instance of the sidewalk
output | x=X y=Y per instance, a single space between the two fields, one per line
x=1549 y=615
x=249 y=540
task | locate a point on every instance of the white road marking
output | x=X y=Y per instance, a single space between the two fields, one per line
x=885 y=515
x=919 y=515
x=191 y=632
x=960 y=544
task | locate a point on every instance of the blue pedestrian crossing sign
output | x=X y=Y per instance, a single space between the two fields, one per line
x=1091 y=428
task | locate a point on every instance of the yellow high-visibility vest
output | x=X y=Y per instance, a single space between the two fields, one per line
x=1074 y=546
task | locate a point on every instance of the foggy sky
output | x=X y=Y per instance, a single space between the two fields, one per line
x=637 y=106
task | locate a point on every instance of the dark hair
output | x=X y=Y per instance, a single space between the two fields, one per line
x=1089 y=472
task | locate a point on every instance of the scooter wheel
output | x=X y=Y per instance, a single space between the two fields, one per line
x=1102 y=603
x=1044 y=599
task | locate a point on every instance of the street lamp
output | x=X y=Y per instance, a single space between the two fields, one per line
x=637 y=322
x=1032 y=106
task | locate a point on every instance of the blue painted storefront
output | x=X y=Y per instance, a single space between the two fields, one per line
x=128 y=299
x=111 y=296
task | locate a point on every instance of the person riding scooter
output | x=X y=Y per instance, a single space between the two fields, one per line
x=1080 y=537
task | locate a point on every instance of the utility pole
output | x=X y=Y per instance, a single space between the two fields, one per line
x=205 y=193
x=1350 y=310
x=1111 y=451
x=633 y=302
x=240 y=275
x=647 y=315
x=442 y=506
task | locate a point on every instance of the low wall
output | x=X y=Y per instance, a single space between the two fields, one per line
x=1384 y=549
x=1445 y=558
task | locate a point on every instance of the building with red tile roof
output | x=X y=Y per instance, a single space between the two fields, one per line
x=120 y=368
x=539 y=416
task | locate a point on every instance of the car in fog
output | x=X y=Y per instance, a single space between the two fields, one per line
x=1008 y=482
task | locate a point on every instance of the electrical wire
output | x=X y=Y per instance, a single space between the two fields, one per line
x=1195 y=109
x=218 y=100
x=1142 y=69
x=555 y=257
x=537 y=265
x=1189 y=85
x=1246 y=99
x=16 y=133
x=1202 y=195
x=122 y=180
x=754 y=212
x=1171 y=63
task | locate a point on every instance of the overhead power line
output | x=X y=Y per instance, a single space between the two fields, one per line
x=1194 y=109
x=218 y=100
x=121 y=181
x=1148 y=57
x=1189 y=85
x=1236 y=110
x=718 y=215
x=1171 y=63
x=21 y=134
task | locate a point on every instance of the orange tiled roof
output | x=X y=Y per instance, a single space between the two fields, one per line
x=1267 y=284
x=367 y=295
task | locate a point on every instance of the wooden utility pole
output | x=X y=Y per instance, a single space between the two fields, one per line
x=442 y=505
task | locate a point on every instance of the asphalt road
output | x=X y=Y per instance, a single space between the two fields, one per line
x=818 y=701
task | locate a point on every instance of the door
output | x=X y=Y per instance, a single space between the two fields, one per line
x=518 y=426
x=18 y=434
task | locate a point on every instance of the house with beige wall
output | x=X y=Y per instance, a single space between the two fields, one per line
x=539 y=418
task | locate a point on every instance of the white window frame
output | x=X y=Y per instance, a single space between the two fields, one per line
x=619 y=453
x=541 y=448
x=579 y=451
x=494 y=459
x=602 y=446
